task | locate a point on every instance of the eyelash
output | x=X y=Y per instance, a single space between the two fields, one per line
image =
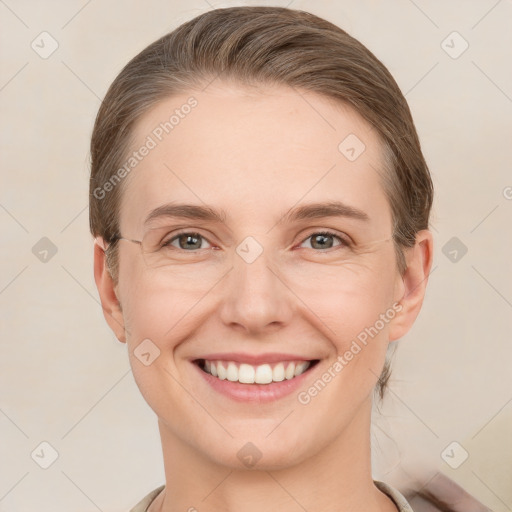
x=344 y=242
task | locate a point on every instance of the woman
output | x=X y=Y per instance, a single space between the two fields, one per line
x=261 y=207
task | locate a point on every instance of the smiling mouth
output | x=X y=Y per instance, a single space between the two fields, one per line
x=243 y=373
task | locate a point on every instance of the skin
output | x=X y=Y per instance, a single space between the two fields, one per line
x=256 y=154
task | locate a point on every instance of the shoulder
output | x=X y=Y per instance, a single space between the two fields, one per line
x=395 y=495
x=143 y=504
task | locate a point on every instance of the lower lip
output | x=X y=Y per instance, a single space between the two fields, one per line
x=259 y=393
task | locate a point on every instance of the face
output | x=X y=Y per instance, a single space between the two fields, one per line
x=279 y=278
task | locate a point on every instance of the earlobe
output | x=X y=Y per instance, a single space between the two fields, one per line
x=106 y=289
x=413 y=285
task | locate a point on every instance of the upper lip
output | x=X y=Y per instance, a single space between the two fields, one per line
x=254 y=359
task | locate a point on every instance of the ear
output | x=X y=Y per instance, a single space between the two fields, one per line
x=412 y=285
x=107 y=290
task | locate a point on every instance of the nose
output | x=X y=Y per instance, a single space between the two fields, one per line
x=255 y=299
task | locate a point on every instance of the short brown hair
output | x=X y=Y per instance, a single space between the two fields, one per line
x=260 y=46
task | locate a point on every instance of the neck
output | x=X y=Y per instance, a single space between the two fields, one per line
x=336 y=478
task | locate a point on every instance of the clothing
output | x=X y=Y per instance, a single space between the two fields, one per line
x=143 y=505
x=393 y=493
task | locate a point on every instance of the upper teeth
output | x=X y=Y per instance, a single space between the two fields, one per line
x=261 y=374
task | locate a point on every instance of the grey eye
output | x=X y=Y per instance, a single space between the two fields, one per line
x=187 y=241
x=323 y=240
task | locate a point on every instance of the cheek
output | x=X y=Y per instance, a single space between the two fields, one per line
x=158 y=313
x=164 y=307
x=354 y=303
x=157 y=318
x=346 y=297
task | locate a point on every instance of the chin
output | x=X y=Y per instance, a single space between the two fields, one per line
x=257 y=453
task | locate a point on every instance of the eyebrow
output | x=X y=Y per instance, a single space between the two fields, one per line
x=309 y=211
x=320 y=210
x=186 y=211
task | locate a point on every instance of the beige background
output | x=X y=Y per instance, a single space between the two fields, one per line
x=65 y=379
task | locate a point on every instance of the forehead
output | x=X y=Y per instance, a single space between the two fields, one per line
x=253 y=153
